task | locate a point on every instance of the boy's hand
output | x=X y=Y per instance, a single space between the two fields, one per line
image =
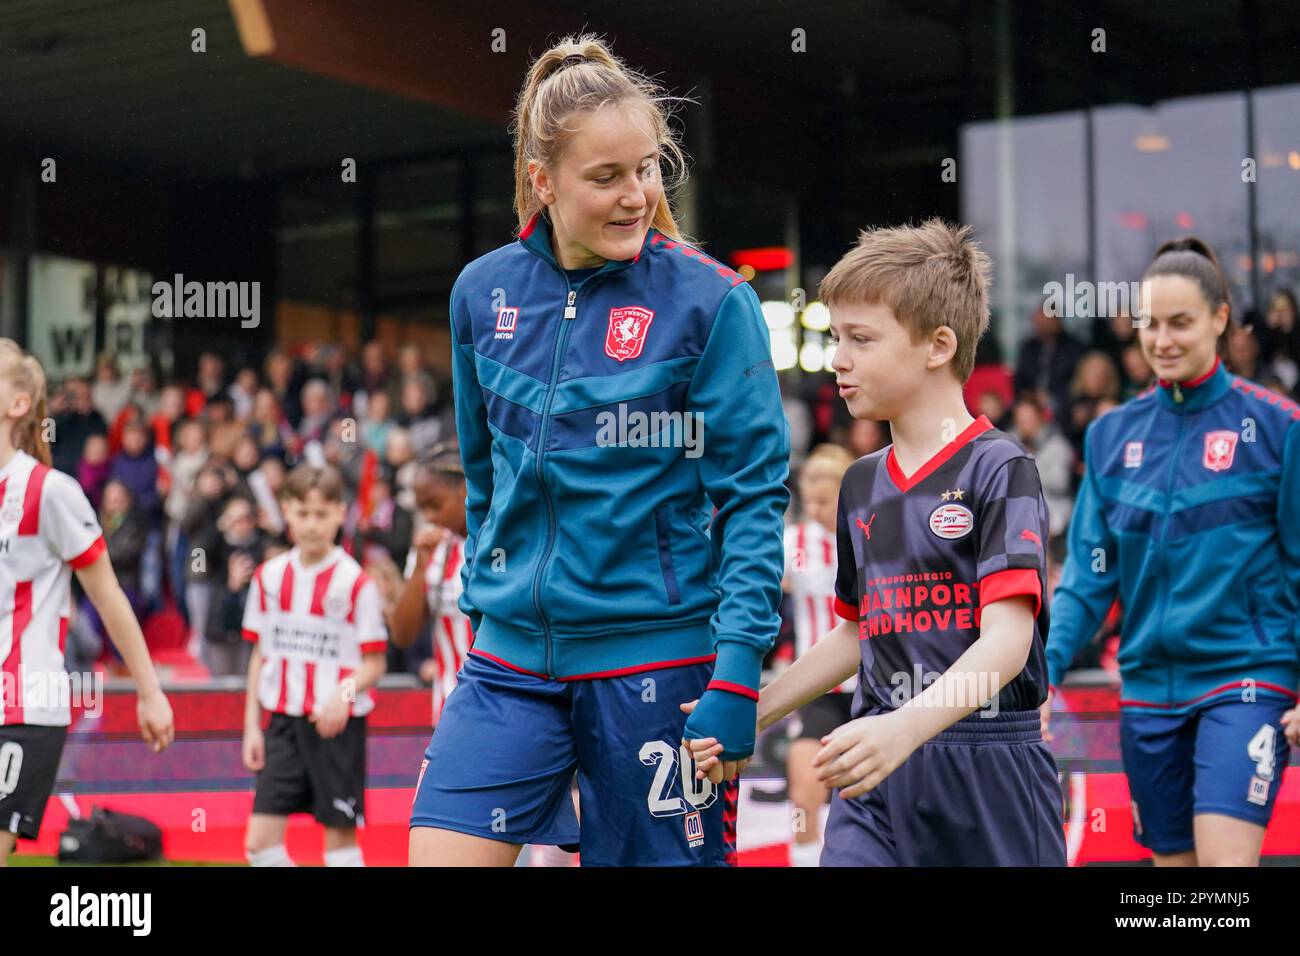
x=254 y=749
x=706 y=751
x=859 y=755
x=154 y=714
x=333 y=716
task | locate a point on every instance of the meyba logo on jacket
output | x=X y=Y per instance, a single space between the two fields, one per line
x=625 y=336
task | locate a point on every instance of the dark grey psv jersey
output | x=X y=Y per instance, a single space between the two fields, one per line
x=919 y=556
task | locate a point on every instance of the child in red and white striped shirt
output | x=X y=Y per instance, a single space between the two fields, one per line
x=317 y=624
x=433 y=573
x=48 y=530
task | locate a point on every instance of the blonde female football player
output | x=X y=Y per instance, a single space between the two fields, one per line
x=48 y=529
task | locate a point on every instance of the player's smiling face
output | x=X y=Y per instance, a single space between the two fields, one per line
x=603 y=189
x=877 y=365
x=1179 y=341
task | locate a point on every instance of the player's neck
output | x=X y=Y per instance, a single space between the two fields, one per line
x=310 y=559
x=7 y=452
x=933 y=419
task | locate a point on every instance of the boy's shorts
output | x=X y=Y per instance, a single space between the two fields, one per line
x=819 y=717
x=1227 y=757
x=984 y=792
x=508 y=743
x=308 y=773
x=29 y=764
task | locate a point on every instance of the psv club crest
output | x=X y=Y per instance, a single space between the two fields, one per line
x=626 y=333
x=1220 y=449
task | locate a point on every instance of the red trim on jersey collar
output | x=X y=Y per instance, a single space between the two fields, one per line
x=1192 y=383
x=905 y=484
x=527 y=231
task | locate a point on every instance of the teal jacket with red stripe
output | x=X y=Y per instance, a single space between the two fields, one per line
x=600 y=425
x=1190 y=513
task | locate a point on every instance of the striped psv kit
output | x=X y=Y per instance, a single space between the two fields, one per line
x=921 y=555
x=810 y=571
x=312 y=626
x=452 y=634
x=47 y=528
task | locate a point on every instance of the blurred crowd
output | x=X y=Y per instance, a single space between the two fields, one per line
x=185 y=475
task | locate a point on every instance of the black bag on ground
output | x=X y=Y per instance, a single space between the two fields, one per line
x=108 y=837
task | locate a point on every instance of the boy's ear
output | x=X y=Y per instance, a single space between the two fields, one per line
x=943 y=347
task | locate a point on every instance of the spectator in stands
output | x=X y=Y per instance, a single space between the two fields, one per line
x=989 y=375
x=1047 y=362
x=243 y=392
x=994 y=408
x=265 y=483
x=75 y=420
x=92 y=470
x=136 y=467
x=285 y=378
x=1052 y=453
x=209 y=382
x=1280 y=338
x=203 y=540
x=269 y=426
x=111 y=391
x=399 y=458
x=420 y=414
x=377 y=421
x=1137 y=373
x=126 y=532
x=386 y=529
x=144 y=390
x=318 y=409
x=239 y=552
x=1095 y=379
x=377 y=378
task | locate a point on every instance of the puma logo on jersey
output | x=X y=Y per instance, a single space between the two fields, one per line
x=866 y=527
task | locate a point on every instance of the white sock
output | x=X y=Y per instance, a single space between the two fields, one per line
x=345 y=856
x=805 y=854
x=272 y=856
x=546 y=855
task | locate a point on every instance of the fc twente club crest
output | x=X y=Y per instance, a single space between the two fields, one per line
x=1220 y=449
x=627 y=330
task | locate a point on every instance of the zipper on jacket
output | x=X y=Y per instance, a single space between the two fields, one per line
x=1164 y=529
x=570 y=312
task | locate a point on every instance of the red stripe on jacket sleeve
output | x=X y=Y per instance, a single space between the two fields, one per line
x=845 y=610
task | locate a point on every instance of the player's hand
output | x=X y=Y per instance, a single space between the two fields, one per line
x=154 y=714
x=1291 y=724
x=333 y=716
x=1045 y=711
x=705 y=752
x=858 y=756
x=427 y=540
x=254 y=749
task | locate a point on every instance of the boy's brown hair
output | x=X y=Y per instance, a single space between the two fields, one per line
x=304 y=478
x=931 y=275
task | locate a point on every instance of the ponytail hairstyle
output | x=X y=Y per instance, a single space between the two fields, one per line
x=579 y=75
x=1192 y=258
x=25 y=374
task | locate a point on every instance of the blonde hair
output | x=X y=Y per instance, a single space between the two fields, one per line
x=930 y=275
x=25 y=374
x=579 y=75
x=825 y=463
